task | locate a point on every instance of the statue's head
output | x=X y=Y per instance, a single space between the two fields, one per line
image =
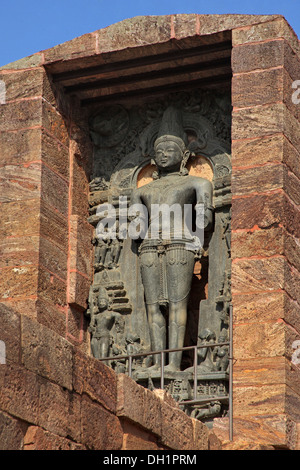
x=170 y=149
x=102 y=299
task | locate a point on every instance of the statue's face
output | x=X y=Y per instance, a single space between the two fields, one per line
x=168 y=155
x=102 y=303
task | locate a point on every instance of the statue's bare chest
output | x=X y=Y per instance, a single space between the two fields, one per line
x=176 y=190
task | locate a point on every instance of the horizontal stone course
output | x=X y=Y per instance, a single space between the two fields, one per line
x=19 y=392
x=264 y=211
x=59 y=410
x=36 y=438
x=10 y=334
x=46 y=353
x=32 y=61
x=20 y=147
x=257 y=56
x=263 y=340
x=255 y=307
x=18 y=282
x=81 y=256
x=276 y=27
x=94 y=379
x=11 y=432
x=23 y=84
x=100 y=430
x=20 y=182
x=55 y=190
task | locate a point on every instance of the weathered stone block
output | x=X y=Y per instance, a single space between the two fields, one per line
x=19 y=251
x=79 y=47
x=260 y=242
x=253 y=432
x=257 y=88
x=135 y=32
x=291 y=217
x=55 y=123
x=212 y=23
x=53 y=226
x=292 y=187
x=10 y=333
x=21 y=114
x=46 y=353
x=249 y=57
x=258 y=179
x=176 y=429
x=264 y=211
x=59 y=410
x=20 y=182
x=81 y=253
x=135 y=438
x=91 y=377
x=11 y=433
x=139 y=405
x=37 y=438
x=19 y=392
x=258 y=275
x=18 y=282
x=254 y=340
x=100 y=430
x=51 y=316
x=25 y=84
x=53 y=258
x=55 y=190
x=265 y=400
x=51 y=288
x=203 y=438
x=23 y=306
x=33 y=60
x=258 y=121
x=258 y=151
x=292 y=282
x=20 y=147
x=78 y=289
x=55 y=155
x=262 y=31
x=292 y=250
x=291 y=127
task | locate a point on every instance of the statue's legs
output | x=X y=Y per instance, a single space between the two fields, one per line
x=177 y=327
x=157 y=326
x=180 y=268
x=104 y=346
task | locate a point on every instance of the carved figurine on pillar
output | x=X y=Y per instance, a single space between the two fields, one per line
x=167 y=261
x=102 y=322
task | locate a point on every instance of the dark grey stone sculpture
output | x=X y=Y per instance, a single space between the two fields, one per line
x=152 y=285
x=167 y=264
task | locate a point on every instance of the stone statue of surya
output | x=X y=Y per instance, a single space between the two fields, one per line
x=167 y=257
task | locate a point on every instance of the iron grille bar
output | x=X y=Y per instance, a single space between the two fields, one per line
x=196 y=400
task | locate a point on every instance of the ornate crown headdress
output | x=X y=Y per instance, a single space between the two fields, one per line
x=171 y=128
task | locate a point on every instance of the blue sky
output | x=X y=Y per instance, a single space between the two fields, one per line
x=28 y=26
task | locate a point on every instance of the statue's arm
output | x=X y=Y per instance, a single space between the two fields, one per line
x=137 y=214
x=204 y=197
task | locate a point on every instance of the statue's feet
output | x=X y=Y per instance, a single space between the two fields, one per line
x=154 y=367
x=171 y=368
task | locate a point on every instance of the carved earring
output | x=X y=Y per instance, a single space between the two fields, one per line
x=183 y=169
x=155 y=174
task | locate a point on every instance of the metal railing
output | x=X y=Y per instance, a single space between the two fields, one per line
x=195 y=400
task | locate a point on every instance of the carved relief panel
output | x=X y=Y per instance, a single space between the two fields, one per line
x=125 y=165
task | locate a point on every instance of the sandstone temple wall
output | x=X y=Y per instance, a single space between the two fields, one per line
x=52 y=393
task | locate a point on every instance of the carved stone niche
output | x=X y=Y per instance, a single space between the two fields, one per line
x=123 y=140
